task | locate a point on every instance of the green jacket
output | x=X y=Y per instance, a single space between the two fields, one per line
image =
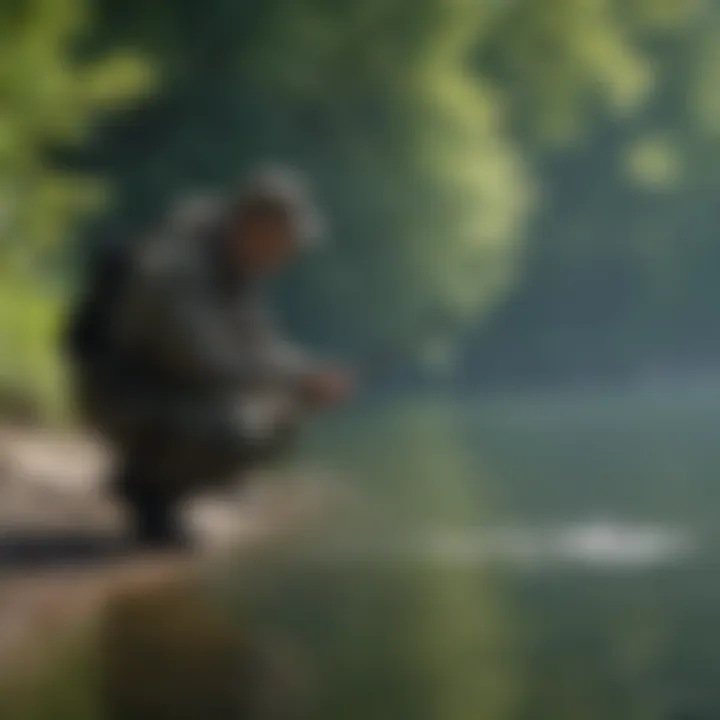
x=196 y=323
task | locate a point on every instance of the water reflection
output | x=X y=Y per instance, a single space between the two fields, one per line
x=411 y=638
x=427 y=598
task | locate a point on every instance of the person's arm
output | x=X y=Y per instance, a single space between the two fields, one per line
x=314 y=383
x=172 y=308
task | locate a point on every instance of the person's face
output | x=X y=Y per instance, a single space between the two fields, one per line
x=262 y=242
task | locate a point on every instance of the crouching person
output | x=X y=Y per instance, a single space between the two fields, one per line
x=176 y=361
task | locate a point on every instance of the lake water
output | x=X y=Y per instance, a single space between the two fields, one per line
x=544 y=558
x=600 y=544
x=548 y=557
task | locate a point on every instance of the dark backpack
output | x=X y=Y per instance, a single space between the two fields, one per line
x=87 y=335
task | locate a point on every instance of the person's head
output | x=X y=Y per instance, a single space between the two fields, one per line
x=272 y=220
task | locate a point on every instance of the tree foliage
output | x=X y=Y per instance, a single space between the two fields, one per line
x=620 y=276
x=428 y=126
x=525 y=156
x=50 y=100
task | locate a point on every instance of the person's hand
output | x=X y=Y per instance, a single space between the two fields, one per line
x=329 y=386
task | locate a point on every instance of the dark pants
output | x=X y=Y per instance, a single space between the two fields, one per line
x=170 y=446
x=153 y=480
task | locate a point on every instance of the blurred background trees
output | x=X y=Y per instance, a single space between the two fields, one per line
x=51 y=96
x=520 y=190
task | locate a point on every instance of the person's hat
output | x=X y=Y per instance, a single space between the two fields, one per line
x=285 y=190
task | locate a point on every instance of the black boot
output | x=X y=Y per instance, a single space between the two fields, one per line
x=154 y=516
x=156 y=523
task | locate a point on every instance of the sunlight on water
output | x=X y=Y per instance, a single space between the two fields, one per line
x=593 y=544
